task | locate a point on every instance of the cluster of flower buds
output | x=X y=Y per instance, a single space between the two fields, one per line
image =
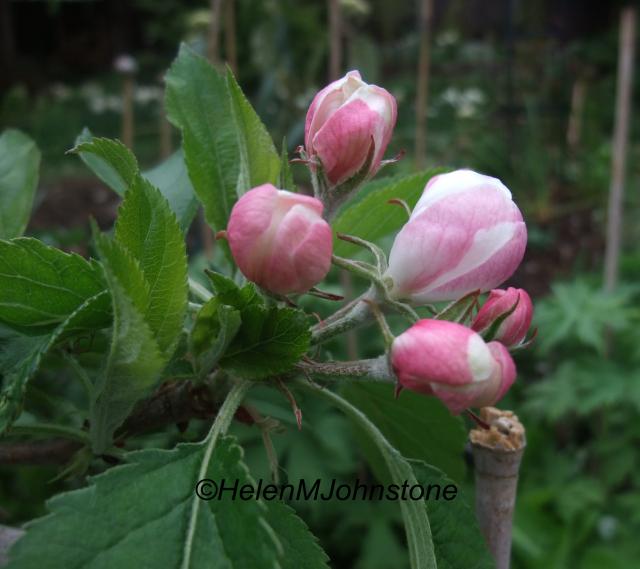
x=464 y=236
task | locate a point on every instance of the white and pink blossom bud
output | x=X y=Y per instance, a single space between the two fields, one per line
x=348 y=127
x=279 y=240
x=513 y=329
x=465 y=234
x=453 y=363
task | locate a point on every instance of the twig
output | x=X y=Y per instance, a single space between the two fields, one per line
x=497 y=453
x=174 y=402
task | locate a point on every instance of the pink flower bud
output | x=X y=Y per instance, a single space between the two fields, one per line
x=279 y=239
x=453 y=363
x=465 y=234
x=347 y=122
x=514 y=327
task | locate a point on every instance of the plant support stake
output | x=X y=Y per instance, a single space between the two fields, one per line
x=497 y=453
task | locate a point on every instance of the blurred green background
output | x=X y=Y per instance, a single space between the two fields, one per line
x=524 y=91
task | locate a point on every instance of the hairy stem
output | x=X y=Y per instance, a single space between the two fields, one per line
x=376 y=369
x=348 y=317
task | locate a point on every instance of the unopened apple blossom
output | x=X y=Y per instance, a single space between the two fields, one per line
x=465 y=234
x=452 y=362
x=348 y=127
x=279 y=240
x=513 y=329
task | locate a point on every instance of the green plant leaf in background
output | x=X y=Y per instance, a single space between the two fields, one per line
x=370 y=217
x=41 y=286
x=19 y=166
x=117 y=167
x=197 y=103
x=414 y=512
x=228 y=533
x=172 y=179
x=148 y=229
x=419 y=427
x=21 y=355
x=286 y=176
x=456 y=535
x=259 y=161
x=135 y=359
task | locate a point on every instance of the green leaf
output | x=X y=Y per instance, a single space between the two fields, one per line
x=40 y=286
x=228 y=292
x=259 y=161
x=286 y=176
x=19 y=166
x=419 y=427
x=197 y=102
x=135 y=360
x=370 y=217
x=456 y=534
x=414 y=512
x=172 y=179
x=21 y=356
x=152 y=498
x=117 y=167
x=459 y=310
x=215 y=327
x=301 y=549
x=109 y=159
x=148 y=229
x=270 y=341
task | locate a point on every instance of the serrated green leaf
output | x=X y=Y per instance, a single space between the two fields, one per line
x=197 y=102
x=259 y=161
x=108 y=159
x=270 y=341
x=228 y=292
x=419 y=427
x=459 y=310
x=149 y=230
x=20 y=356
x=370 y=217
x=135 y=360
x=117 y=167
x=301 y=549
x=227 y=533
x=19 y=166
x=456 y=535
x=40 y=286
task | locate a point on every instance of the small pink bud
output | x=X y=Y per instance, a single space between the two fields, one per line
x=465 y=234
x=514 y=327
x=453 y=363
x=279 y=239
x=347 y=122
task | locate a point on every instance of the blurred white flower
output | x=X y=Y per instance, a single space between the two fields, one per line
x=60 y=91
x=466 y=102
x=145 y=94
